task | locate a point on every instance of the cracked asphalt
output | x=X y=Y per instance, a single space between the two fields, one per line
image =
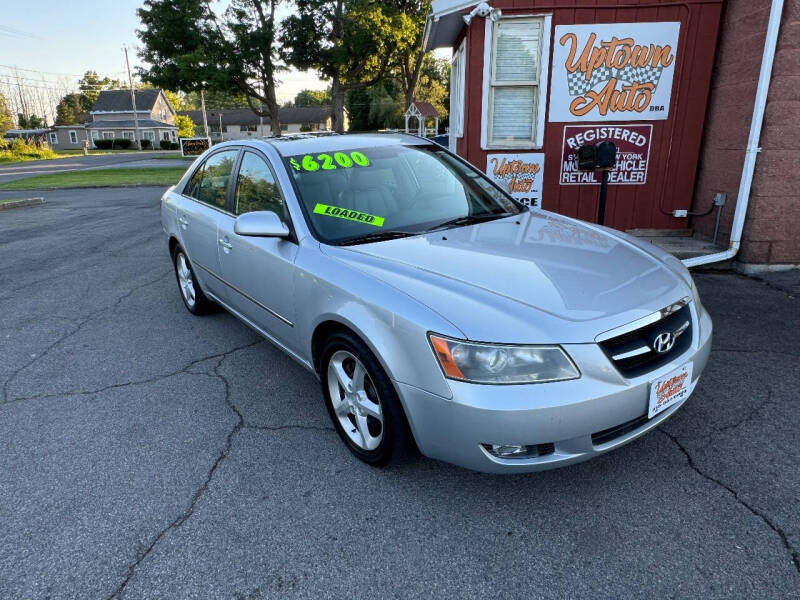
x=147 y=453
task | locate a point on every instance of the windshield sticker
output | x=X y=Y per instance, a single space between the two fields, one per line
x=350 y=215
x=327 y=162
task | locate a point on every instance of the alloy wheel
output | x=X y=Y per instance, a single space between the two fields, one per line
x=355 y=400
x=185 y=280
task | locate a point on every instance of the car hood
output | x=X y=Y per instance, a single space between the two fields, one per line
x=533 y=278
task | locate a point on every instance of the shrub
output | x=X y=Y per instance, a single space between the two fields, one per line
x=123 y=143
x=103 y=144
x=146 y=144
x=165 y=145
x=18 y=149
x=174 y=146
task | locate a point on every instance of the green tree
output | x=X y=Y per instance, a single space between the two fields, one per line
x=174 y=99
x=90 y=86
x=434 y=84
x=409 y=58
x=6 y=120
x=215 y=100
x=313 y=98
x=185 y=126
x=191 y=47
x=379 y=106
x=383 y=104
x=30 y=122
x=70 y=111
x=352 y=42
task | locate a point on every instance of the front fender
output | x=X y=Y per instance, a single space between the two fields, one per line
x=394 y=325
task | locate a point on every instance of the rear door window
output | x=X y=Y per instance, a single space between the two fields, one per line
x=209 y=183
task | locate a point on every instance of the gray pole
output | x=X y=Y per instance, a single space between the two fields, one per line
x=133 y=103
x=203 y=106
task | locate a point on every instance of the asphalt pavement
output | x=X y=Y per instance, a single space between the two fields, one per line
x=20 y=170
x=148 y=453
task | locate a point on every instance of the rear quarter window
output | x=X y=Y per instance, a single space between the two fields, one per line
x=209 y=183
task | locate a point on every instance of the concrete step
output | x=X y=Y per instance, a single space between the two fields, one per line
x=683 y=246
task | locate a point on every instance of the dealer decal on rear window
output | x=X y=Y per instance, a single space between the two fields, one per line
x=328 y=162
x=350 y=215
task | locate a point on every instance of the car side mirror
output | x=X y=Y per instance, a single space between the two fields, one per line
x=262 y=223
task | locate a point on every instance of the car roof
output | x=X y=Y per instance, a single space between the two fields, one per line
x=291 y=145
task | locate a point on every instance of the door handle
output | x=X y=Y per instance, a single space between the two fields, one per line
x=227 y=245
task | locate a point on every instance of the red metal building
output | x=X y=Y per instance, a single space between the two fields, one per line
x=534 y=79
x=637 y=73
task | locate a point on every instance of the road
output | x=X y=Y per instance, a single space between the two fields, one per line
x=10 y=172
x=148 y=453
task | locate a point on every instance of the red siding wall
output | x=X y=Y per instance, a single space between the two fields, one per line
x=675 y=143
x=773 y=218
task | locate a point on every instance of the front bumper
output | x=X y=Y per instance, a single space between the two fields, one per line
x=564 y=414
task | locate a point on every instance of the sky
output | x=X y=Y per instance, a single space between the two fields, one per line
x=53 y=40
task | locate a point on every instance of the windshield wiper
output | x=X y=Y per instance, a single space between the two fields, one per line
x=470 y=219
x=379 y=236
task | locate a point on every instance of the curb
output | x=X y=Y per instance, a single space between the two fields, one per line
x=21 y=203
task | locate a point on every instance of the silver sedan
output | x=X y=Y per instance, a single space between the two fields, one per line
x=438 y=313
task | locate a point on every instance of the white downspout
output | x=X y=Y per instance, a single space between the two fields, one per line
x=752 y=143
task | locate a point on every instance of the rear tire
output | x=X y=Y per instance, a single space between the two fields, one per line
x=193 y=297
x=362 y=402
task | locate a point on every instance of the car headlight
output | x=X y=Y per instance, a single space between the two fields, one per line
x=500 y=363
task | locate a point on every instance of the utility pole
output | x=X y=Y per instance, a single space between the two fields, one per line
x=221 y=139
x=203 y=106
x=133 y=102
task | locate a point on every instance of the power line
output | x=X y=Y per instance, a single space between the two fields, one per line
x=54 y=72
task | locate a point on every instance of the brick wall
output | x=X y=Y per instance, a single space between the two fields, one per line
x=772 y=228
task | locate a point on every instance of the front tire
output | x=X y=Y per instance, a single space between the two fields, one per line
x=193 y=297
x=362 y=402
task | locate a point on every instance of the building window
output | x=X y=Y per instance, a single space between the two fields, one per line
x=73 y=136
x=165 y=135
x=253 y=127
x=108 y=135
x=149 y=135
x=513 y=91
x=128 y=135
x=53 y=138
x=457 y=78
x=284 y=127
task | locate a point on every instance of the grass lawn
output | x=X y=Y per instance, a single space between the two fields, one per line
x=8 y=160
x=7 y=200
x=98 y=178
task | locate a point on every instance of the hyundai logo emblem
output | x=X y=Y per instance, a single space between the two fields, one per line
x=664 y=342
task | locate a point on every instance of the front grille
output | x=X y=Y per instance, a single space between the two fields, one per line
x=612 y=433
x=632 y=353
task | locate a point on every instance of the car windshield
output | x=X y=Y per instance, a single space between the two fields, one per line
x=382 y=192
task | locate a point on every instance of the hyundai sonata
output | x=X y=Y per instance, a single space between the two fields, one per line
x=438 y=313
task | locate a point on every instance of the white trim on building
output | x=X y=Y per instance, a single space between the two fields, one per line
x=458 y=75
x=537 y=84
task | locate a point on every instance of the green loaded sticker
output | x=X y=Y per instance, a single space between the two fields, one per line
x=350 y=215
x=328 y=162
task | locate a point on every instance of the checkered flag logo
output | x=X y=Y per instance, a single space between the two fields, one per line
x=640 y=74
x=578 y=85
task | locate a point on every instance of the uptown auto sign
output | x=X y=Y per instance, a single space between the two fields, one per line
x=613 y=72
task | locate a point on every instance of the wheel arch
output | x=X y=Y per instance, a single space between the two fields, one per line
x=173 y=243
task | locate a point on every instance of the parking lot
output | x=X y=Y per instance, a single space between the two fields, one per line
x=147 y=453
